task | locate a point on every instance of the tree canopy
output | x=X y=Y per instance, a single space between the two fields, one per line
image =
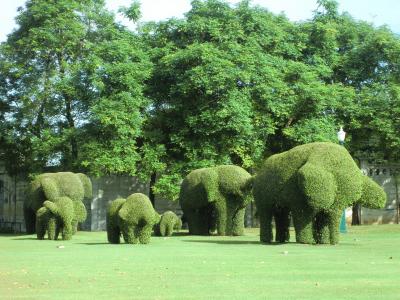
x=71 y=89
x=222 y=85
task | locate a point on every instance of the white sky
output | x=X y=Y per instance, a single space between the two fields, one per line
x=378 y=12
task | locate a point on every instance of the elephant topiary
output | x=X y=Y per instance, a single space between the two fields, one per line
x=314 y=183
x=51 y=186
x=215 y=198
x=55 y=217
x=169 y=222
x=134 y=217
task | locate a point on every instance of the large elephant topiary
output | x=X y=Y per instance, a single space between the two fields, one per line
x=51 y=186
x=169 y=222
x=134 y=217
x=215 y=198
x=314 y=183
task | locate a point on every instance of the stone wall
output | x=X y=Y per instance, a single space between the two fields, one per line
x=108 y=188
x=387 y=176
x=105 y=190
x=12 y=195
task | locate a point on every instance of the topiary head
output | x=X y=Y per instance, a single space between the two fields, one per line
x=373 y=196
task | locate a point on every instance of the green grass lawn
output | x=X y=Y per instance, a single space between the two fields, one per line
x=365 y=265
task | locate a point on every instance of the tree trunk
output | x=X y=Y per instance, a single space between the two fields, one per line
x=356 y=218
x=71 y=124
x=151 y=193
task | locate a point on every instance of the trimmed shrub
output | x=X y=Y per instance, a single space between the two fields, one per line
x=169 y=222
x=50 y=186
x=314 y=183
x=134 y=218
x=215 y=198
x=54 y=217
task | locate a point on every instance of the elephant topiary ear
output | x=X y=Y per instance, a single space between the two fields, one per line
x=373 y=196
x=87 y=185
x=50 y=188
x=318 y=186
x=80 y=213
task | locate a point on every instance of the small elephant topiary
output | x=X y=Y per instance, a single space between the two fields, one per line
x=314 y=183
x=169 y=222
x=215 y=198
x=51 y=186
x=134 y=217
x=55 y=217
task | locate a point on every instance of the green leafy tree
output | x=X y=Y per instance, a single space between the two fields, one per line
x=71 y=88
x=365 y=59
x=230 y=85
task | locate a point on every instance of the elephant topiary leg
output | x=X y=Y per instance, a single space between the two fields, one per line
x=266 y=234
x=66 y=231
x=52 y=228
x=166 y=229
x=302 y=220
x=129 y=233
x=238 y=222
x=113 y=234
x=282 y=223
x=74 y=226
x=212 y=218
x=144 y=233
x=57 y=231
x=42 y=218
x=224 y=217
x=197 y=222
x=321 y=228
x=334 y=221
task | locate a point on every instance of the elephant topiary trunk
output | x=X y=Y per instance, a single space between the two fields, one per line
x=313 y=183
x=133 y=217
x=216 y=198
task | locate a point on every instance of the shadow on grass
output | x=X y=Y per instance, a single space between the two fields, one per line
x=10 y=234
x=25 y=238
x=223 y=242
x=97 y=243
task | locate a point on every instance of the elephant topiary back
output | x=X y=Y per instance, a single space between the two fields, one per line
x=133 y=217
x=169 y=222
x=313 y=183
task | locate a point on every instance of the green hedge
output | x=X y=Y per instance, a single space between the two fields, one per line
x=51 y=187
x=54 y=217
x=134 y=218
x=215 y=198
x=169 y=222
x=314 y=183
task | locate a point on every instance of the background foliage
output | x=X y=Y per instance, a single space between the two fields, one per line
x=222 y=85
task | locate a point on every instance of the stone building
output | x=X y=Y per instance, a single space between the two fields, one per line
x=386 y=175
x=12 y=195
